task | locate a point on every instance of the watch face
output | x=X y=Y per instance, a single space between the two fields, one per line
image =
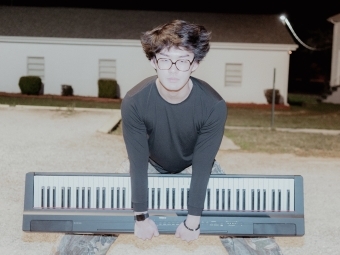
x=141 y=217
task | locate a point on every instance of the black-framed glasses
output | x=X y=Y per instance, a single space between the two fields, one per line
x=181 y=64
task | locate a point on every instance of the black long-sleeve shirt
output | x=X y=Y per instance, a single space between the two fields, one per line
x=173 y=136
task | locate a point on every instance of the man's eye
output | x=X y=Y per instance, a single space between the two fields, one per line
x=182 y=61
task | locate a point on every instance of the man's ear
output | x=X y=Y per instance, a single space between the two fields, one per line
x=195 y=66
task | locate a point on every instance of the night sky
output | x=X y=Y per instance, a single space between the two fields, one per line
x=308 y=19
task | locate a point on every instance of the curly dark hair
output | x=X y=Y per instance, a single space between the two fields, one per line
x=177 y=33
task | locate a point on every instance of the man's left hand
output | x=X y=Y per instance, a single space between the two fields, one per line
x=184 y=233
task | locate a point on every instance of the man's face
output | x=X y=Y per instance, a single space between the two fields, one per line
x=173 y=79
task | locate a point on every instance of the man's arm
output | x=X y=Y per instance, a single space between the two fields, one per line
x=135 y=137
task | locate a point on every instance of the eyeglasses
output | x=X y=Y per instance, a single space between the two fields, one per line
x=181 y=64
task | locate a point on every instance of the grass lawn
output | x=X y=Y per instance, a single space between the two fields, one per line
x=304 y=112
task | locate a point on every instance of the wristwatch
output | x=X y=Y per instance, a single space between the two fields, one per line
x=141 y=217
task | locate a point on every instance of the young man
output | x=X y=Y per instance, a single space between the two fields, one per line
x=172 y=121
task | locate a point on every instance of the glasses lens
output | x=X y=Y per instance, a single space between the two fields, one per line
x=164 y=63
x=183 y=65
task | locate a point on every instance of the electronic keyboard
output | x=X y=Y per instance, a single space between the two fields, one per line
x=100 y=203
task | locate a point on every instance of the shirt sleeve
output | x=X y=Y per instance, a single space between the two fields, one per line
x=206 y=148
x=135 y=137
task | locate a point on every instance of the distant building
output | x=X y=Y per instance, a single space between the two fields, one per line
x=334 y=95
x=77 y=46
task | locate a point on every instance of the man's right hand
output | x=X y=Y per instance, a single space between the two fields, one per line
x=146 y=229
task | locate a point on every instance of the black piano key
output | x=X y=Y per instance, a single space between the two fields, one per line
x=103 y=197
x=243 y=199
x=288 y=200
x=123 y=197
x=48 y=197
x=62 y=197
x=42 y=196
x=217 y=199
x=279 y=200
x=112 y=198
x=118 y=195
x=182 y=198
x=223 y=199
x=83 y=197
x=173 y=198
x=258 y=199
x=97 y=197
x=229 y=198
x=237 y=199
x=208 y=199
x=273 y=199
x=77 y=197
x=167 y=199
x=264 y=199
x=158 y=198
x=54 y=195
x=153 y=198
x=89 y=197
x=68 y=197
x=252 y=199
x=188 y=191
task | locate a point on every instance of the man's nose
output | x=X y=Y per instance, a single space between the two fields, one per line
x=173 y=67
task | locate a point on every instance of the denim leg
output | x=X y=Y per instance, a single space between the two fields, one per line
x=85 y=244
x=251 y=246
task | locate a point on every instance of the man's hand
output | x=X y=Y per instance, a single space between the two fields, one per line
x=184 y=233
x=146 y=229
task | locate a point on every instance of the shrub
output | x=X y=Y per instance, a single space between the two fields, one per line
x=277 y=97
x=107 y=88
x=30 y=85
x=66 y=90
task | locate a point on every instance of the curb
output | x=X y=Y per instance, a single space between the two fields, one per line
x=293 y=130
x=56 y=108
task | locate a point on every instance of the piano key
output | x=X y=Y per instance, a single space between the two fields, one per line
x=207 y=205
x=273 y=200
x=42 y=198
x=158 y=198
x=123 y=198
x=77 y=198
x=153 y=199
x=237 y=198
x=83 y=198
x=118 y=202
x=54 y=195
x=97 y=197
x=252 y=200
x=112 y=202
x=68 y=197
x=89 y=195
x=279 y=200
x=229 y=198
x=223 y=200
x=243 y=199
x=48 y=197
x=217 y=202
x=173 y=199
x=62 y=197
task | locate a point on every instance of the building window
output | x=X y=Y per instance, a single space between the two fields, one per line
x=233 y=75
x=107 y=69
x=36 y=67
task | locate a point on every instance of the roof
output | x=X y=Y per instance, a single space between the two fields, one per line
x=334 y=19
x=129 y=24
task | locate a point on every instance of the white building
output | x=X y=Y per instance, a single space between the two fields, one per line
x=78 y=46
x=334 y=97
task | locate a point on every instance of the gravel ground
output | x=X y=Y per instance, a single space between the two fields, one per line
x=68 y=141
